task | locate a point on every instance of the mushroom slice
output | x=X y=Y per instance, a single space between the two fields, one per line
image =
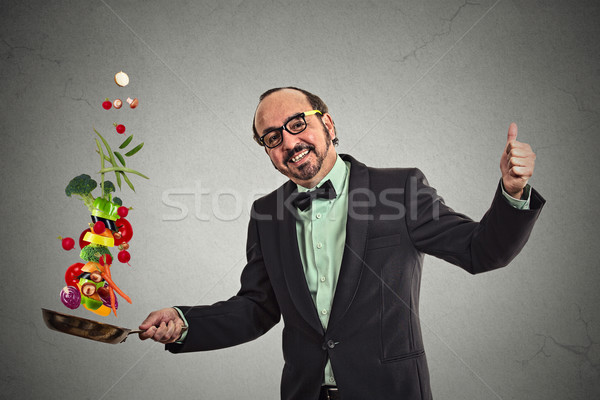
x=96 y=277
x=88 y=289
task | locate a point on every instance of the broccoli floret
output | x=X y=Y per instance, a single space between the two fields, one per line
x=82 y=186
x=109 y=187
x=117 y=201
x=93 y=252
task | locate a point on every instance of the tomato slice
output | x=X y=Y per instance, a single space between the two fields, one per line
x=71 y=276
x=125 y=230
x=83 y=243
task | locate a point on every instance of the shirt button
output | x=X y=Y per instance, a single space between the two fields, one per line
x=322 y=279
x=319 y=245
x=318 y=216
x=324 y=312
x=331 y=380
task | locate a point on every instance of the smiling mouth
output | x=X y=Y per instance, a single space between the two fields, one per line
x=299 y=156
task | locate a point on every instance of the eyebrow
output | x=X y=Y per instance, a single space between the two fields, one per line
x=272 y=128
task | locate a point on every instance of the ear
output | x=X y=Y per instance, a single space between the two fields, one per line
x=328 y=122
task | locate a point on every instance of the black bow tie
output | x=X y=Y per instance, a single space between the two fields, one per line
x=304 y=199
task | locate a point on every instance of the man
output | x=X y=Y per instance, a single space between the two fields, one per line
x=344 y=268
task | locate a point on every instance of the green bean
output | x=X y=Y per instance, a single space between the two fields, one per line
x=108 y=159
x=120 y=157
x=101 y=164
x=126 y=142
x=111 y=155
x=134 y=150
x=123 y=169
x=127 y=180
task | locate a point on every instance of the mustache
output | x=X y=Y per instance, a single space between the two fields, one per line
x=299 y=147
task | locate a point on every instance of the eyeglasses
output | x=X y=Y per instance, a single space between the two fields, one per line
x=294 y=125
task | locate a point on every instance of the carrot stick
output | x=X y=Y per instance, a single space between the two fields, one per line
x=112 y=300
x=111 y=291
x=112 y=284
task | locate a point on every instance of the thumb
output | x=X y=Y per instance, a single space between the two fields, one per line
x=512 y=133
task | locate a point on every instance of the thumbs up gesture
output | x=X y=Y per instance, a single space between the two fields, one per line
x=516 y=163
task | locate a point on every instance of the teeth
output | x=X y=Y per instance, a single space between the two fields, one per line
x=299 y=156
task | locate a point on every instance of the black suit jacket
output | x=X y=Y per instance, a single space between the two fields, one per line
x=373 y=337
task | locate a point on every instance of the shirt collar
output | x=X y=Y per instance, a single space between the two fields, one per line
x=337 y=176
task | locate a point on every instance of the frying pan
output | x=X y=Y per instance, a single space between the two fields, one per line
x=86 y=328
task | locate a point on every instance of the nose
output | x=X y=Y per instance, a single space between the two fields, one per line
x=289 y=141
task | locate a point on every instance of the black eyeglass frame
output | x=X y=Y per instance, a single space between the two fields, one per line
x=302 y=115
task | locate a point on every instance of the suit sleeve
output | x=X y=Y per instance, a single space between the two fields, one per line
x=477 y=247
x=244 y=317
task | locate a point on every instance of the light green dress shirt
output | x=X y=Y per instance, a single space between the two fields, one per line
x=321 y=234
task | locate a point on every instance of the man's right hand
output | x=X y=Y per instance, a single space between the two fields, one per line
x=162 y=326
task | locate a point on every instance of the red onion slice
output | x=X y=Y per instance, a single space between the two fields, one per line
x=70 y=297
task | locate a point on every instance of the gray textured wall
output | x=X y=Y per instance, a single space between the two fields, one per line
x=432 y=84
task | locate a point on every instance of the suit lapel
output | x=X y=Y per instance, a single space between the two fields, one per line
x=291 y=261
x=356 y=238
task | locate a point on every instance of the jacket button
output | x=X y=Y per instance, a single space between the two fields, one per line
x=324 y=346
x=330 y=344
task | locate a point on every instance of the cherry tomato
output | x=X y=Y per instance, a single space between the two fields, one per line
x=68 y=243
x=120 y=128
x=83 y=243
x=125 y=230
x=124 y=256
x=72 y=273
x=99 y=228
x=122 y=211
x=106 y=104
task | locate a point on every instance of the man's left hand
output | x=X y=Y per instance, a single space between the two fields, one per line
x=517 y=163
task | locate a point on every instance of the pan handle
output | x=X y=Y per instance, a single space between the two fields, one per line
x=183 y=329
